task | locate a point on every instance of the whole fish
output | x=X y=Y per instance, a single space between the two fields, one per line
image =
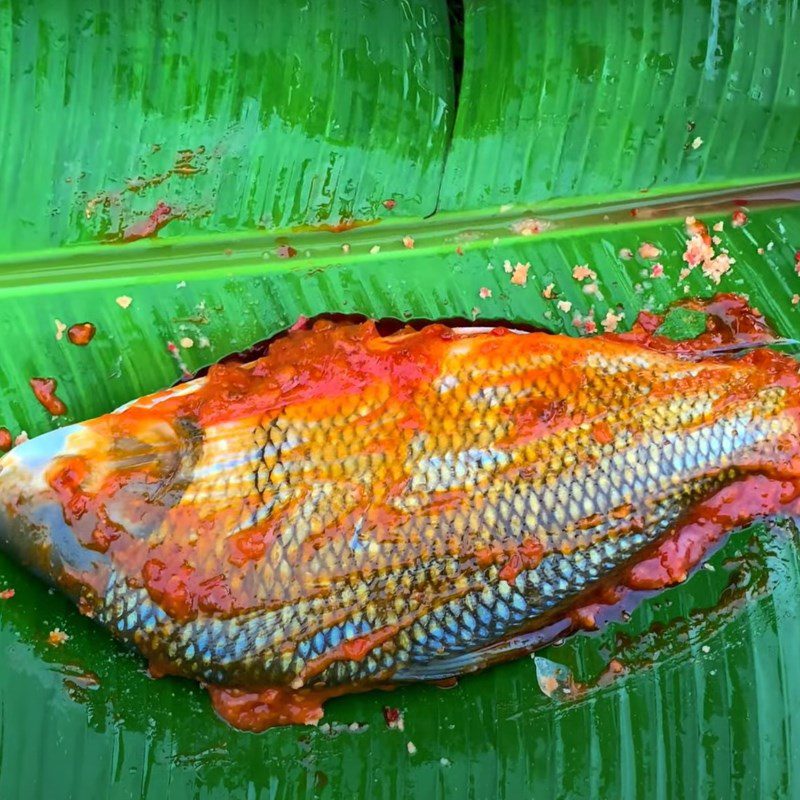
x=354 y=510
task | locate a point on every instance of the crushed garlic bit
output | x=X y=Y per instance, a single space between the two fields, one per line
x=581 y=271
x=649 y=251
x=520 y=276
x=611 y=320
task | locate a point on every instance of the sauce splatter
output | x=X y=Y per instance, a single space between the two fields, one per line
x=81 y=333
x=161 y=216
x=258 y=710
x=45 y=391
x=6 y=441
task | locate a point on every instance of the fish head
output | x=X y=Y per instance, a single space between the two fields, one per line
x=70 y=496
x=33 y=527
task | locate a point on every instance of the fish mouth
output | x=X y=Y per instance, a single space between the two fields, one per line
x=33 y=529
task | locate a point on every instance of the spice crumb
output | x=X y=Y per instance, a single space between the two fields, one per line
x=611 y=320
x=345 y=248
x=719 y=226
x=123 y=301
x=60 y=328
x=657 y=270
x=389 y=204
x=484 y=293
x=7 y=594
x=57 y=637
x=375 y=249
x=739 y=218
x=564 y=305
x=180 y=285
x=394 y=718
x=795 y=299
x=411 y=747
x=529 y=227
x=547 y=292
x=408 y=241
x=626 y=254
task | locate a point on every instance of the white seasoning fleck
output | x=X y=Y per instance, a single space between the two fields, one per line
x=697 y=142
x=123 y=301
x=411 y=747
x=375 y=249
x=345 y=248
x=186 y=342
x=60 y=328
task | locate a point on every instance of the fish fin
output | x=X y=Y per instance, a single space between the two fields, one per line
x=475 y=660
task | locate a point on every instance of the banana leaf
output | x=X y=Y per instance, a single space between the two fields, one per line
x=552 y=134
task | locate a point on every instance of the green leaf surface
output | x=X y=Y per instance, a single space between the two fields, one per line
x=570 y=99
x=237 y=115
x=708 y=703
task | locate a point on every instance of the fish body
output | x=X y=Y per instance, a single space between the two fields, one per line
x=355 y=510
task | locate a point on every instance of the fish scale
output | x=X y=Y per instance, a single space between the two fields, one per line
x=371 y=509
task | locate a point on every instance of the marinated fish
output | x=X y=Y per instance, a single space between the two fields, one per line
x=354 y=510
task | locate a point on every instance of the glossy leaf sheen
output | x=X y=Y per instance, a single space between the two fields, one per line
x=708 y=702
